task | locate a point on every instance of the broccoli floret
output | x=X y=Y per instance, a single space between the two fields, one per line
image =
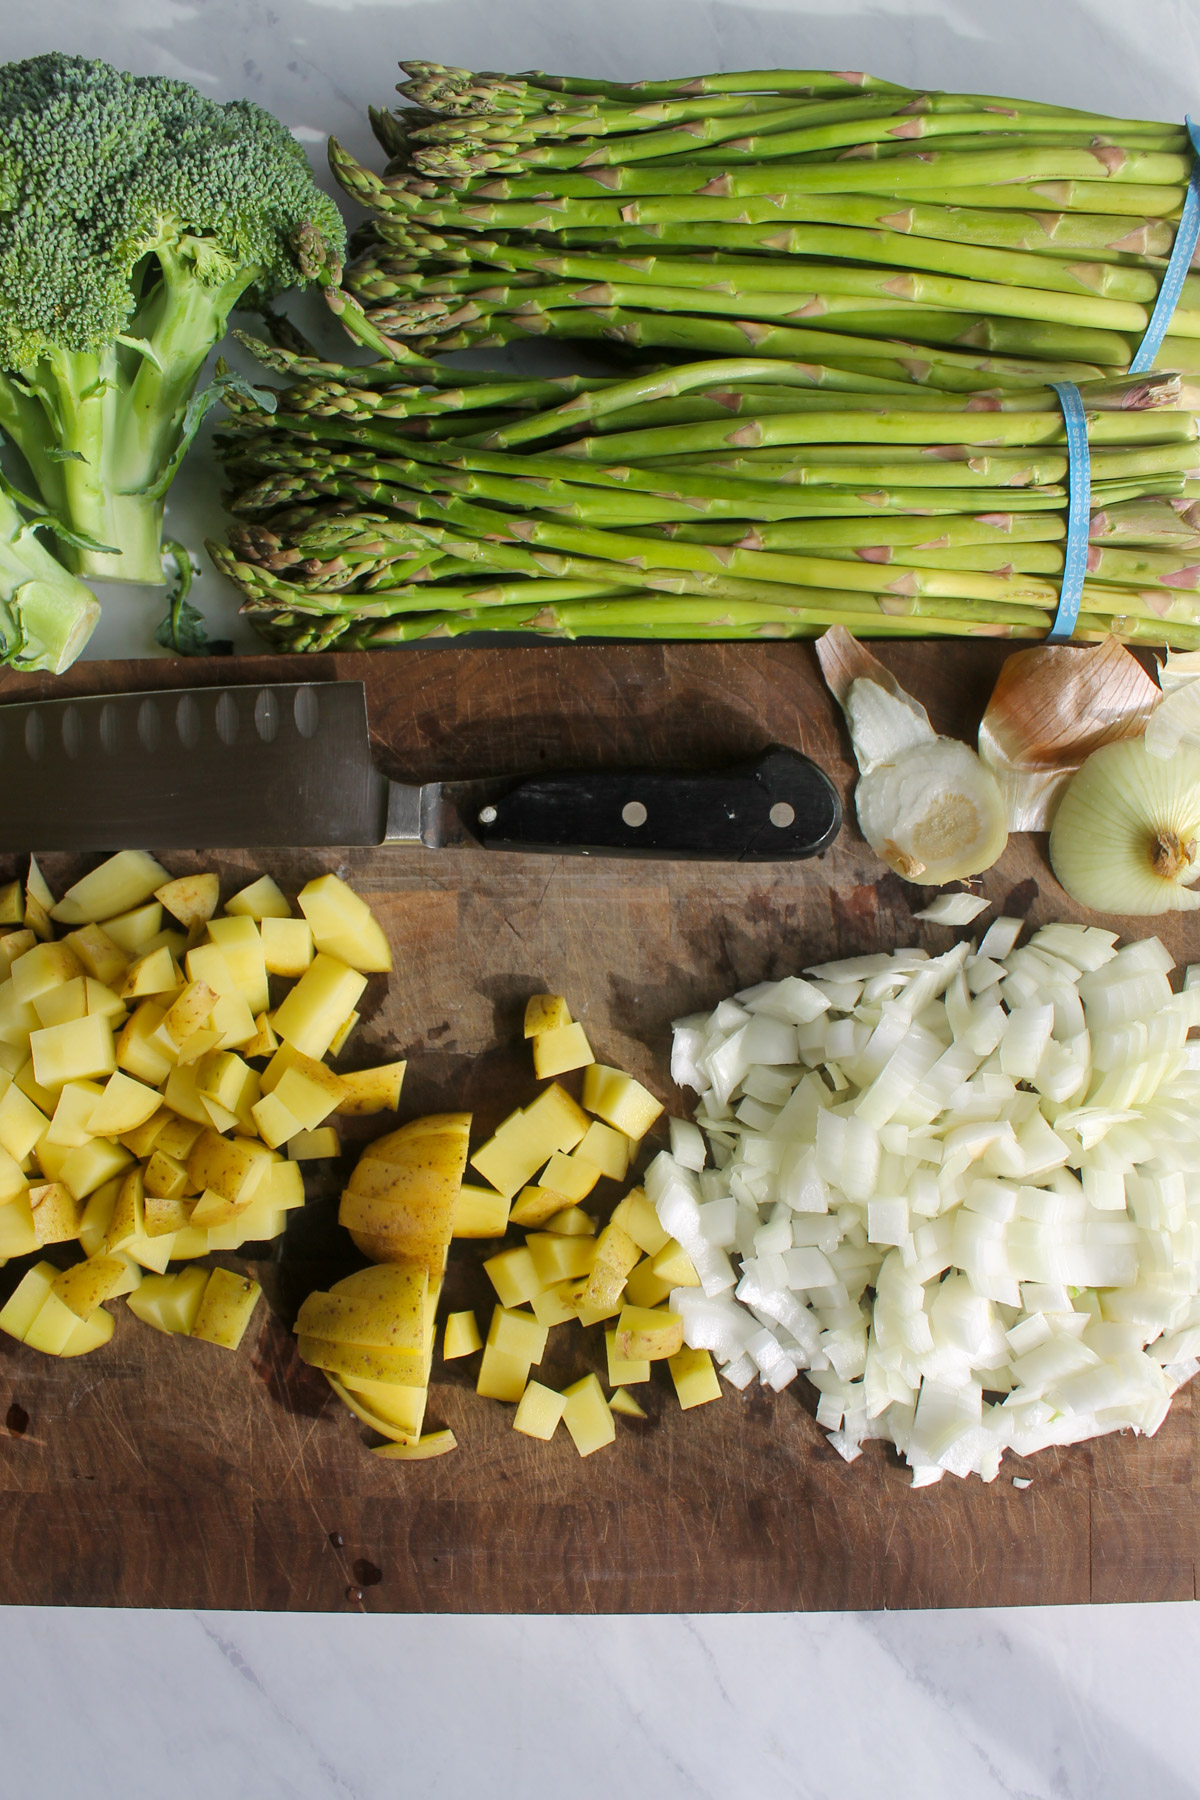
x=134 y=215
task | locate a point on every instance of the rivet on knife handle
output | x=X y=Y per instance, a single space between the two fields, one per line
x=777 y=807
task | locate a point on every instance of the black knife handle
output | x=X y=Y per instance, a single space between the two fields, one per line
x=777 y=807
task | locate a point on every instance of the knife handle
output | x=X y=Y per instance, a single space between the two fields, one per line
x=777 y=807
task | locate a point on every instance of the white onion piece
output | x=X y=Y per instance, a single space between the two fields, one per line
x=953 y=909
x=975 y=1233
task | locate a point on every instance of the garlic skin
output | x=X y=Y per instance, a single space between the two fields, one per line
x=1126 y=837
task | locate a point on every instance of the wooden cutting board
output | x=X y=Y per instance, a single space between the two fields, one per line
x=162 y=1472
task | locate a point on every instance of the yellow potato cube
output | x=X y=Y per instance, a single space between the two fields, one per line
x=177 y=1136
x=572 y=1221
x=165 y=1217
x=513 y=1275
x=127 y=1222
x=166 y=1179
x=314 y=1146
x=38 y=901
x=555 y=1305
x=53 y=1328
x=571 y=1177
x=58 y=1006
x=539 y=1411
x=282 y=1186
x=372 y=1090
x=123 y=1106
x=44 y=967
x=91 y=1165
x=261 y=900
x=136 y=1051
x=621 y=1402
x=615 y=1255
x=586 y=1416
x=589 y=1315
x=190 y=1012
x=340 y=1037
x=98 y=954
x=644 y=1287
x=620 y=1371
x=124 y=881
x=71 y=1124
x=545 y=1012
x=240 y=943
x=343 y=925
x=21 y=1123
x=517 y=1334
x=12 y=1178
x=141 y=1141
x=156 y=972
x=501 y=1377
x=696 y=1380
x=102 y=1000
x=534 y=1205
x=211 y=1212
x=54 y=1212
x=427 y=1446
x=555 y=1052
x=25 y=1302
x=556 y=1258
x=192 y=899
x=97 y=1217
x=87 y=1334
x=49 y=1157
x=673 y=1264
x=650 y=1332
x=231 y=1014
x=153 y=1253
x=264 y=1042
x=309 y=1017
x=12 y=904
x=479 y=1212
x=525 y=1140
x=462 y=1336
x=619 y=1100
x=287 y=946
x=635 y=1215
x=310 y=1091
x=606 y=1149
x=170 y=1303
x=133 y=930
x=86 y=1285
x=17 y=1234
x=233 y=1168
x=226 y=1309
x=12 y=945
x=182 y=1097
x=17 y=1019
x=223 y=1079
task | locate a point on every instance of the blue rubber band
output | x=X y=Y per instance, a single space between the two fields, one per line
x=1079 y=512
x=1180 y=262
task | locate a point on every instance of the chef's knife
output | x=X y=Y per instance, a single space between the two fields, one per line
x=290 y=764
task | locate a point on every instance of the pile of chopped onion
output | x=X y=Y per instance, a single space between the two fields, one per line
x=961 y=1193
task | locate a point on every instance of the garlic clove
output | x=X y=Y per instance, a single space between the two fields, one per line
x=1126 y=837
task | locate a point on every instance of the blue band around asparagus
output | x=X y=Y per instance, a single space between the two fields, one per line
x=1079 y=512
x=1180 y=262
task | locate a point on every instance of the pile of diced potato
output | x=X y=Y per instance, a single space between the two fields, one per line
x=133 y=1117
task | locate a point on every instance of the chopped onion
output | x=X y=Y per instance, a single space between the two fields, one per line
x=976 y=1228
x=1126 y=837
x=953 y=909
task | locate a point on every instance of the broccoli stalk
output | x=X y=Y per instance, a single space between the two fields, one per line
x=134 y=215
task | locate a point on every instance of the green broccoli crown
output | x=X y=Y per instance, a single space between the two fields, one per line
x=98 y=169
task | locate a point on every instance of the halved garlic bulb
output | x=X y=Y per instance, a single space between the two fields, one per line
x=1126 y=837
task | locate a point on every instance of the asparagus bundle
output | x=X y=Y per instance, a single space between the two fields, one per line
x=954 y=240
x=751 y=498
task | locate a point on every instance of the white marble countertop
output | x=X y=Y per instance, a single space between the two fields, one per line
x=1056 y=1703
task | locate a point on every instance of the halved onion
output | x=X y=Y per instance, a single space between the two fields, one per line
x=1126 y=837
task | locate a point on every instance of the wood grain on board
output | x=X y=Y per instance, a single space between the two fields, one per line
x=161 y=1472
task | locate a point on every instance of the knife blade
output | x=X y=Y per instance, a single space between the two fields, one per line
x=289 y=764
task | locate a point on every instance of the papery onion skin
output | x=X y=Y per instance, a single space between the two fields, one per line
x=1125 y=817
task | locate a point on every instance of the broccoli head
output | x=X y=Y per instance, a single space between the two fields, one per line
x=134 y=215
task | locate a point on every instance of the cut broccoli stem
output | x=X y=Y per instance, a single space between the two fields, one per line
x=46 y=614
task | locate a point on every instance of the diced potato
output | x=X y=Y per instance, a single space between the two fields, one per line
x=44 y=967
x=124 y=881
x=86 y=1285
x=261 y=900
x=427 y=1446
x=17 y=1019
x=133 y=930
x=87 y=1334
x=545 y=1012
x=25 y=1302
x=141 y=1141
x=12 y=904
x=555 y=1305
x=650 y=1332
x=586 y=1416
x=696 y=1380
x=461 y=1337
x=372 y=1090
x=615 y=1255
x=49 y=1158
x=673 y=1264
x=571 y=1177
x=534 y=1205
x=412 y=1213
x=153 y=1253
x=170 y=1303
x=310 y=1091
x=576 y=1292
x=619 y=1100
x=501 y=1377
x=606 y=1149
x=71 y=1124
x=12 y=945
x=224 y=1078
x=620 y=1371
x=127 y=1221
x=136 y=1051
x=102 y=1000
x=309 y=1017
x=192 y=899
x=123 y=1106
x=189 y=1012
x=231 y=1015
x=17 y=1234
x=240 y=943
x=264 y=1042
x=572 y=1221
x=12 y=1178
x=637 y=1216
x=59 y=1005
x=314 y=1146
x=518 y=1334
x=226 y=1309
x=182 y=1096
x=55 y=1212
x=53 y=1327
x=479 y=1212
x=91 y=1165
x=156 y=972
x=282 y=1186
x=513 y=1275
x=233 y=1168
x=341 y=1036
x=164 y=1217
x=287 y=946
x=21 y=1123
x=98 y=953
x=556 y=1258
x=275 y=1123
x=539 y=1411
x=622 y=1402
x=644 y=1287
x=525 y=1140
x=343 y=925
x=178 y=1136
x=165 y=1178
x=555 y=1052
x=211 y=1212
